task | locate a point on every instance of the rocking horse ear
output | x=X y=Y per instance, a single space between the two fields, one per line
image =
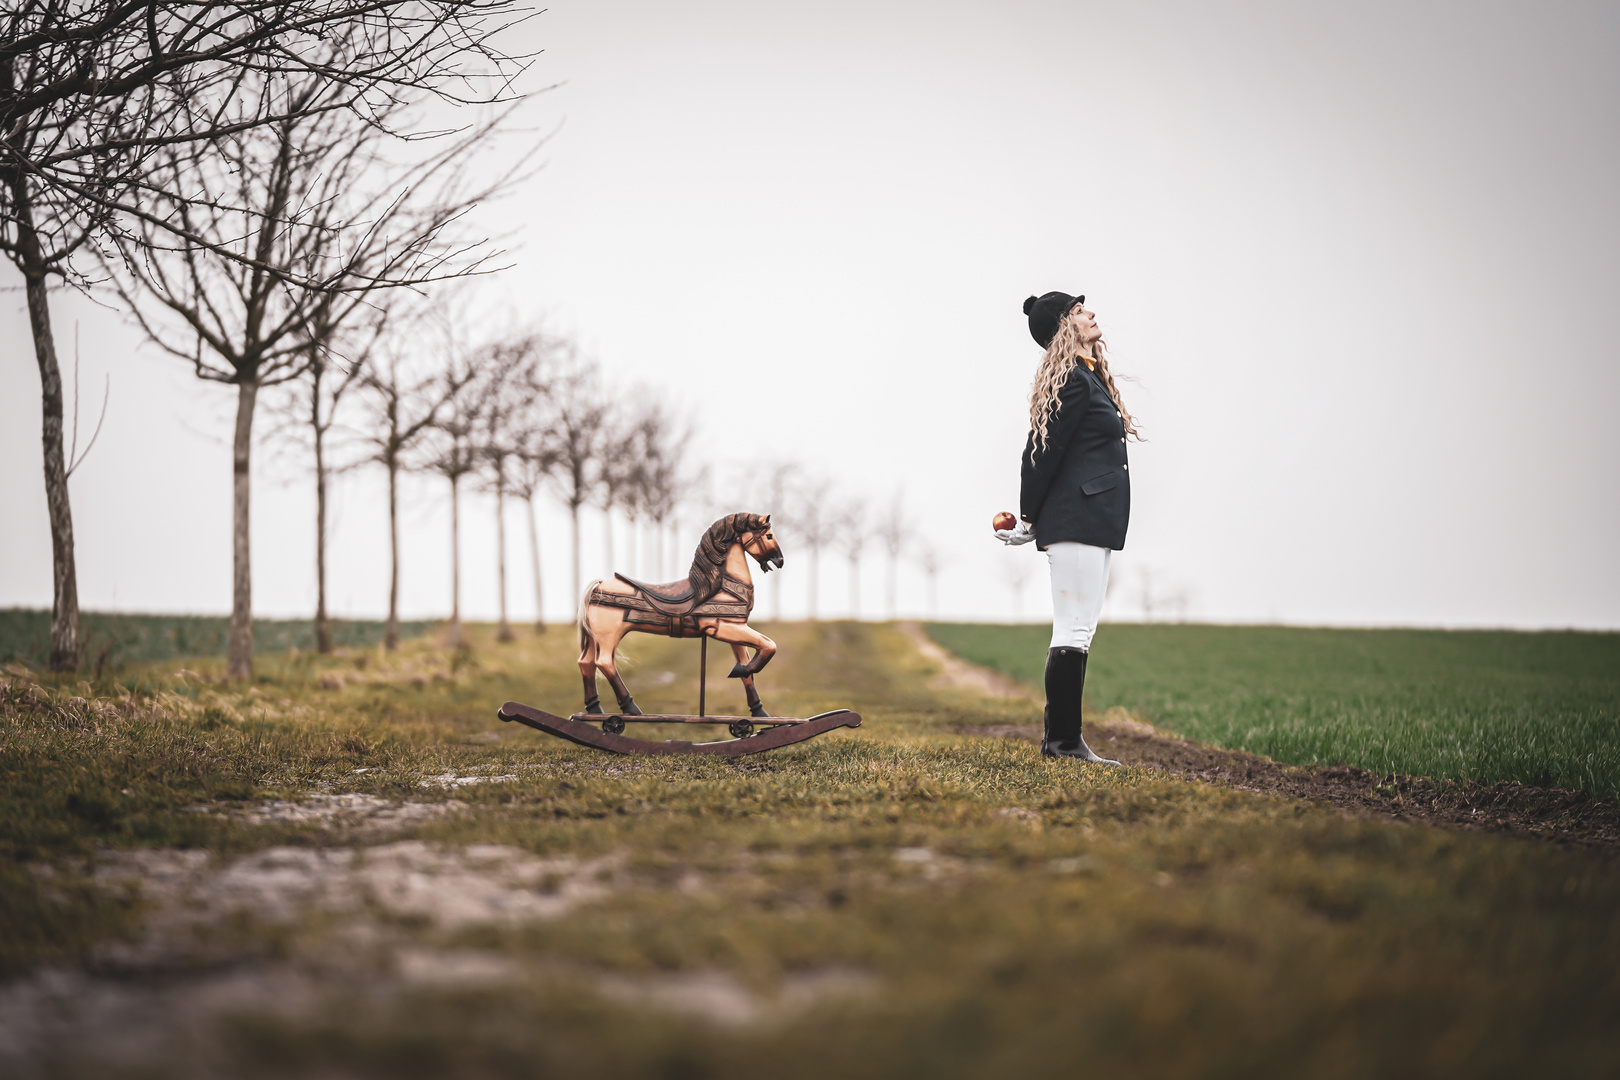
x=767 y=519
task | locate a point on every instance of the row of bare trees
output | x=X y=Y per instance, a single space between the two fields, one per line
x=814 y=517
x=270 y=190
x=524 y=416
x=247 y=176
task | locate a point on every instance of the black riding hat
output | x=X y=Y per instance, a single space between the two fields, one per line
x=1046 y=312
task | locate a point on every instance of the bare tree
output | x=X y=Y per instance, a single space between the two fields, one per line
x=635 y=499
x=893 y=530
x=91 y=90
x=929 y=559
x=769 y=487
x=324 y=393
x=536 y=463
x=453 y=456
x=615 y=469
x=321 y=226
x=578 y=412
x=665 y=480
x=308 y=415
x=508 y=388
x=403 y=410
x=812 y=521
x=851 y=526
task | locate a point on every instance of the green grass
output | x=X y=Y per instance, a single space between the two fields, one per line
x=1538 y=708
x=1071 y=917
x=110 y=641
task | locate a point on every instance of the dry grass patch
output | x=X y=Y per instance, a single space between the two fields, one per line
x=904 y=899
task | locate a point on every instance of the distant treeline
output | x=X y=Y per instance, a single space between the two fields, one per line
x=112 y=640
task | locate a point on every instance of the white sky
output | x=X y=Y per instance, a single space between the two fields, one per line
x=1362 y=264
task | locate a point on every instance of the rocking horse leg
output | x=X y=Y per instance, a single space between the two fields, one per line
x=608 y=667
x=593 y=703
x=756 y=707
x=743 y=634
x=627 y=704
x=588 y=650
x=587 y=674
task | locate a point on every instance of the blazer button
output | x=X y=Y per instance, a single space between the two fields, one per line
x=1125 y=466
x=1122 y=438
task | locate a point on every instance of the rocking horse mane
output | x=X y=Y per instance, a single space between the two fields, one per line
x=709 y=561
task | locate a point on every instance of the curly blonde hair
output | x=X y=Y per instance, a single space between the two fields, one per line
x=1056 y=367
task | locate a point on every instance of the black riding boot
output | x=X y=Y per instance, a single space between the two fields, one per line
x=1065 y=684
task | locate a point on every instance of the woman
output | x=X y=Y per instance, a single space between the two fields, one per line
x=1075 y=497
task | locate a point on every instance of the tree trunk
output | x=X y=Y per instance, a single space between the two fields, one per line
x=240 y=663
x=776 y=601
x=534 y=554
x=815 y=579
x=607 y=538
x=504 y=633
x=573 y=509
x=64 y=576
x=455 y=562
x=894 y=571
x=391 y=638
x=323 y=631
x=854 y=587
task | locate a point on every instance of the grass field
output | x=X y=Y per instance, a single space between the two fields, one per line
x=109 y=642
x=905 y=899
x=1538 y=708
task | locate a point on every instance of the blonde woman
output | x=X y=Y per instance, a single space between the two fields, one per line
x=1075 y=498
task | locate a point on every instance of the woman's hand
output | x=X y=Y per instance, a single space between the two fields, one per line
x=1023 y=533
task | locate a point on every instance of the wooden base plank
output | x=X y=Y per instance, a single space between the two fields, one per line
x=684 y=718
x=588 y=734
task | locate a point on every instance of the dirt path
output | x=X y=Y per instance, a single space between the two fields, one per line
x=958 y=674
x=1567 y=818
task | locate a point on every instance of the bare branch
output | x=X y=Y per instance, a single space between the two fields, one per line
x=74 y=458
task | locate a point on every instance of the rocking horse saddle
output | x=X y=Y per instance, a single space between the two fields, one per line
x=675 y=598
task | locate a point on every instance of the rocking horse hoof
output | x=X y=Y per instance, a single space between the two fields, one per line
x=740 y=729
x=628 y=707
x=613 y=725
x=758 y=710
x=739 y=671
x=594 y=707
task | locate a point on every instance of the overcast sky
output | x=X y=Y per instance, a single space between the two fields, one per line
x=1361 y=264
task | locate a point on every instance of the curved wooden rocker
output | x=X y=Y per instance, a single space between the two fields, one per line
x=783 y=731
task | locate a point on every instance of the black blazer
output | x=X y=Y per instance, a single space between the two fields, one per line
x=1078 y=488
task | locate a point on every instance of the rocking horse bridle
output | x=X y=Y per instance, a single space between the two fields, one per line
x=748 y=538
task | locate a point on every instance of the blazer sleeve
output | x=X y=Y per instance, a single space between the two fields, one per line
x=1040 y=467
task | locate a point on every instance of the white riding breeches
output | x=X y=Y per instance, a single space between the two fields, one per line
x=1079 y=583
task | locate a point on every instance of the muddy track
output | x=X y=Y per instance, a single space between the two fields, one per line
x=1571 y=819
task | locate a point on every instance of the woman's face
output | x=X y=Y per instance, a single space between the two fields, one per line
x=1089 y=333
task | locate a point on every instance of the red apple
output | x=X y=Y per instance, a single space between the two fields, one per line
x=1003 y=521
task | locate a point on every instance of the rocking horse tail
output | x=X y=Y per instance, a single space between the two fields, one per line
x=584 y=619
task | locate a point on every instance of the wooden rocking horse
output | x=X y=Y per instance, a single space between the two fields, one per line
x=714 y=601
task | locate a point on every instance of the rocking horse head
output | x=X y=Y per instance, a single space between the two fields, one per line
x=760 y=542
x=752 y=531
